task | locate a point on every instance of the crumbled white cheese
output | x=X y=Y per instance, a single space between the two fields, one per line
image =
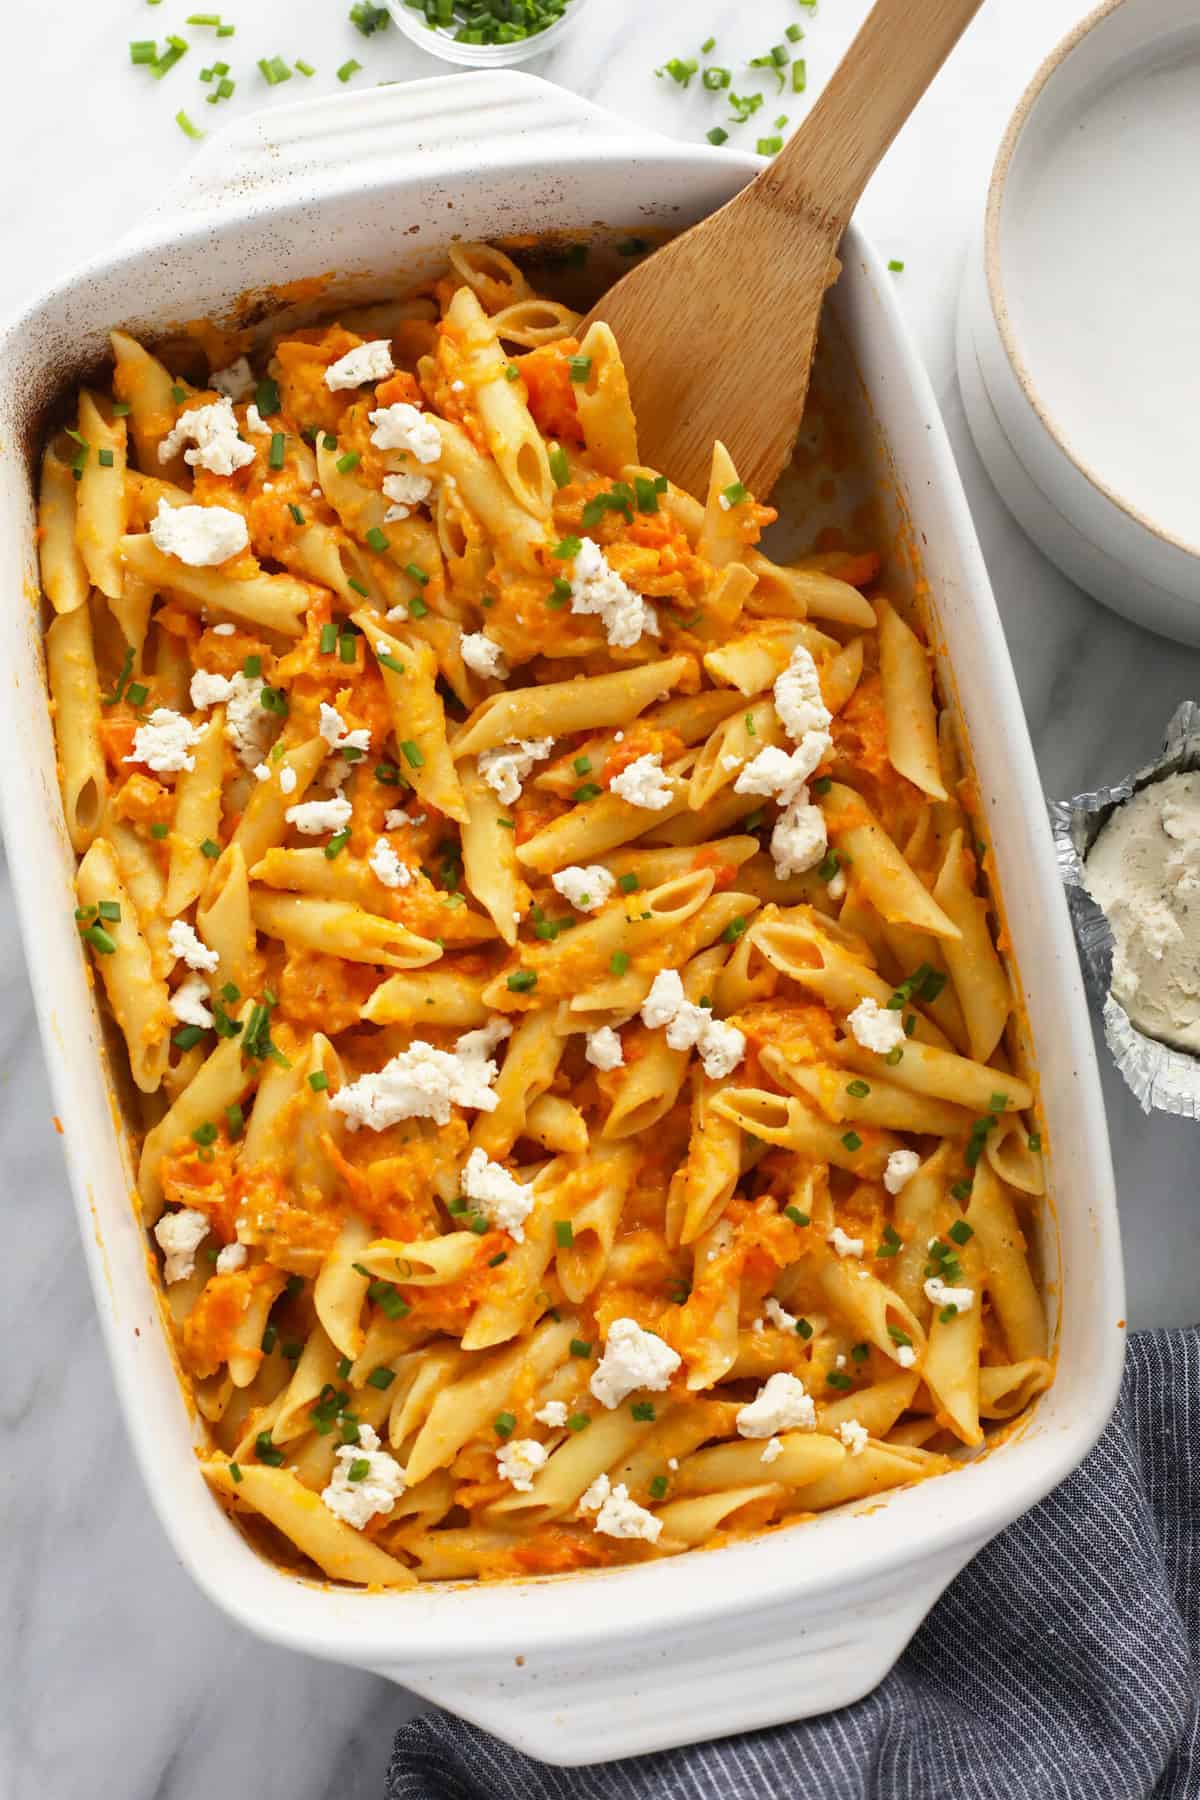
x=553 y=1414
x=902 y=1165
x=163 y=743
x=184 y=942
x=798 y=841
x=312 y=818
x=235 y=382
x=836 y=888
x=597 y=588
x=505 y=1201
x=505 y=768
x=844 y=1244
x=593 y=1497
x=938 y=1294
x=212 y=431
x=905 y=1355
x=405 y=492
x=333 y=729
x=584 y=888
x=179 y=1235
x=853 y=1435
x=231 y=1259
x=643 y=783
x=189 y=1003
x=772 y=1450
x=424 y=1083
x=366 y=362
x=224 y=629
x=378 y=1489
x=482 y=656
x=621 y=1517
x=387 y=865
x=395 y=819
x=776 y=774
x=632 y=1358
x=798 y=699
x=604 y=1049
x=249 y=727
x=779 y=1315
x=287 y=779
x=689 y=1026
x=403 y=427
x=262 y=771
x=257 y=425
x=519 y=1460
x=200 y=536
x=875 y=1027
x=208 y=688
x=781 y=1404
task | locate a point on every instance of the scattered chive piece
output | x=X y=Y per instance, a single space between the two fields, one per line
x=735 y=493
x=377 y=539
x=578 y=1422
x=349 y=461
x=105 y=458
x=511 y=372
x=947 y=1313
x=504 y=1424
x=961 y=1190
x=329 y=637
x=100 y=940
x=860 y=1352
x=580 y=1348
x=734 y=929
x=896 y=266
x=803 y=1329
x=210 y=848
x=852 y=1141
x=495 y=1261
x=582 y=765
x=121 y=409
x=643 y=1411
x=347 y=649
x=619 y=962
x=413 y=755
x=368 y=17
x=266 y=1452
x=796 y=1216
x=680 y=69
x=235 y=1471
x=647 y=494
x=337 y=844
x=708 y=46
x=836 y=1379
x=143 y=50
x=564 y=1233
x=266 y=397
x=522 y=981
x=822 y=784
x=388 y=661
x=318 y=1081
x=297 y=515
x=890 y=1243
x=359 y=588
x=960 y=1232
x=1035 y=1141
x=417 y=573
x=579 y=367
x=858 y=1090
x=192 y=131
x=769 y=146
x=381 y=1378
x=799 y=75
x=110 y=909
x=348 y=69
x=186 y=1037
x=718 y=135
x=628 y=884
x=159 y=831
x=998 y=1103
x=658 y=1488
x=274 y=70
x=587 y=790
x=275 y=454
x=567 y=548
x=235 y=1119
x=359 y=1469
x=794 y=33
x=560 y=469
x=270 y=1338
x=252 y=668
x=894 y=1056
x=304 y=68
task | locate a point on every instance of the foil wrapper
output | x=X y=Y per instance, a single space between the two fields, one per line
x=1160 y=1078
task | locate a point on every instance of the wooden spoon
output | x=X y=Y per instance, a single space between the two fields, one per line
x=717 y=329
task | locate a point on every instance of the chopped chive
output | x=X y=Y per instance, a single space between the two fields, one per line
x=318 y=1081
x=852 y=1141
x=560 y=469
x=413 y=755
x=275 y=454
x=822 y=785
x=210 y=848
x=297 y=515
x=100 y=940
x=252 y=667
x=303 y=68
x=578 y=1422
x=105 y=458
x=579 y=367
x=734 y=929
x=381 y=1378
x=769 y=146
x=235 y=1471
x=587 y=790
x=658 y=1488
x=680 y=69
x=350 y=460
x=708 y=45
x=417 y=573
x=270 y=1338
x=961 y=1190
x=504 y=1424
x=960 y=1232
x=796 y=1216
x=564 y=1233
x=858 y=1090
x=618 y=962
x=643 y=1411
x=579 y=1347
x=803 y=1329
x=495 y=1261
x=347 y=647
x=718 y=135
x=337 y=844
x=377 y=539
x=860 y=1352
x=1035 y=1141
x=522 y=981
x=799 y=75
x=349 y=68
x=274 y=70
x=328 y=640
x=836 y=1379
x=567 y=548
x=266 y=1452
x=896 y=266
x=143 y=50
x=159 y=831
x=794 y=33
x=388 y=661
x=266 y=397
x=628 y=884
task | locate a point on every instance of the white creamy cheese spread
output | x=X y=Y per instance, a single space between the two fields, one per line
x=1143 y=871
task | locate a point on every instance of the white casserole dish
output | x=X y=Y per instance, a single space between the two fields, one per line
x=595 y=1666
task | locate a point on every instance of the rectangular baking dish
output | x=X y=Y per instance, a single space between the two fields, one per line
x=593 y=1666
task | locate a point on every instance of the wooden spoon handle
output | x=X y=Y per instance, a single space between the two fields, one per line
x=899 y=49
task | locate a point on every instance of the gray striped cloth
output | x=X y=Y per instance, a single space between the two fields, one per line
x=1063 y=1664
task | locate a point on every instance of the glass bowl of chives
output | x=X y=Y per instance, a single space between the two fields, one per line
x=486 y=34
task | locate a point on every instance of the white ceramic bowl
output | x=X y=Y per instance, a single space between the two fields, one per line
x=1079 y=332
x=440 y=41
x=603 y=1664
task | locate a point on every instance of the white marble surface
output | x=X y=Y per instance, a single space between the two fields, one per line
x=116 y=1677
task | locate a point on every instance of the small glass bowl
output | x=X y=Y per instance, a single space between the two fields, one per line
x=440 y=41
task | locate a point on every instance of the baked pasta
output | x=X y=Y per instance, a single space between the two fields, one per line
x=579 y=1111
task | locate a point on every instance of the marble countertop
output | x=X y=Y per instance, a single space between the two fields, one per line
x=116 y=1676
